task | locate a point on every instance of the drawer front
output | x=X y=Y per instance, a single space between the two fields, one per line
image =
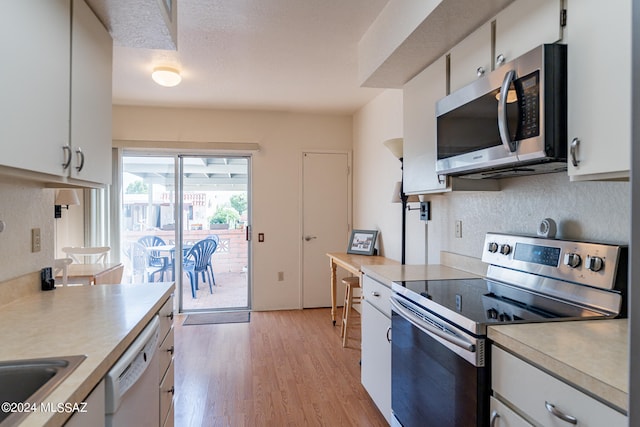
x=503 y=416
x=530 y=389
x=166 y=318
x=377 y=294
x=166 y=392
x=166 y=353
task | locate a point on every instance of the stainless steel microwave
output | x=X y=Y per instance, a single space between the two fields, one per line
x=511 y=122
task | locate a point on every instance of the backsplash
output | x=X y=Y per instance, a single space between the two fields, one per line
x=25 y=205
x=597 y=211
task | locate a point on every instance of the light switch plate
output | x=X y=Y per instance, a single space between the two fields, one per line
x=35 y=240
x=459 y=229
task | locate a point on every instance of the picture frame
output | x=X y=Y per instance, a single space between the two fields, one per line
x=362 y=242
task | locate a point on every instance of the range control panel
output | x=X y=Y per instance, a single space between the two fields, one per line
x=592 y=264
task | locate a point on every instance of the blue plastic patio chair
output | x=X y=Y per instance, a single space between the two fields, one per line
x=154 y=258
x=216 y=239
x=140 y=263
x=197 y=261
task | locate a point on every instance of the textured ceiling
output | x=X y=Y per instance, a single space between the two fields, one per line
x=291 y=55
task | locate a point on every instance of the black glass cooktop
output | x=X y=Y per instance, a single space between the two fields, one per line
x=485 y=301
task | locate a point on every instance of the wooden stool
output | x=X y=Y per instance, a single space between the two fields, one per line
x=349 y=298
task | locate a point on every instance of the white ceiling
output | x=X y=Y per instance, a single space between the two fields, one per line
x=292 y=55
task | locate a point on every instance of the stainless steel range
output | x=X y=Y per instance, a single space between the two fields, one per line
x=440 y=357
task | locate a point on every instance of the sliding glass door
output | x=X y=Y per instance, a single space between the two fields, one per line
x=214 y=218
x=184 y=219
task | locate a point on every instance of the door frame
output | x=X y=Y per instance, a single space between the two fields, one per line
x=121 y=149
x=179 y=206
x=301 y=210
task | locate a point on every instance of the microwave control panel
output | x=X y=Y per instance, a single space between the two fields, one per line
x=528 y=89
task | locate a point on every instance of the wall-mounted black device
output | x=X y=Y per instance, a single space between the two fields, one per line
x=425 y=211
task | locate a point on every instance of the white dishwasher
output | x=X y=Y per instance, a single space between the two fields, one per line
x=132 y=397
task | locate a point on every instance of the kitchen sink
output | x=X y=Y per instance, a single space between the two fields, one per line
x=30 y=381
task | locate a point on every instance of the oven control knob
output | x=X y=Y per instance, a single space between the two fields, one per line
x=492 y=313
x=492 y=247
x=572 y=260
x=594 y=263
x=505 y=249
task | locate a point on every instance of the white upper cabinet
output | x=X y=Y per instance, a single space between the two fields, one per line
x=419 y=108
x=34 y=84
x=91 y=61
x=522 y=26
x=471 y=58
x=525 y=24
x=55 y=86
x=599 y=89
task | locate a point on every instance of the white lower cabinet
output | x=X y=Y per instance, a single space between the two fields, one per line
x=376 y=344
x=503 y=416
x=167 y=382
x=93 y=413
x=523 y=393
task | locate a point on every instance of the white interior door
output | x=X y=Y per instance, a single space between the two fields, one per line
x=325 y=221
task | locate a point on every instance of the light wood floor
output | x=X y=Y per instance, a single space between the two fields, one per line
x=284 y=368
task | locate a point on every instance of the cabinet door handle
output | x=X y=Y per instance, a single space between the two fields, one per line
x=480 y=71
x=494 y=418
x=170 y=350
x=170 y=315
x=389 y=334
x=574 y=152
x=375 y=294
x=500 y=59
x=67 y=156
x=172 y=390
x=80 y=155
x=559 y=414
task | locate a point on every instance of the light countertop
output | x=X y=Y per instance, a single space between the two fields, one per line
x=97 y=321
x=591 y=355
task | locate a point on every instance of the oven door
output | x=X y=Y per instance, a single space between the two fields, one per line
x=439 y=375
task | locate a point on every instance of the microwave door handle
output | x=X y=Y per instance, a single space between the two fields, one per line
x=503 y=125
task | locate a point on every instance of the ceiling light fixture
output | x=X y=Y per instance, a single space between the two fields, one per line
x=166 y=76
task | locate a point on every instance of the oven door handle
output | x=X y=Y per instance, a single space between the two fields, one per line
x=429 y=329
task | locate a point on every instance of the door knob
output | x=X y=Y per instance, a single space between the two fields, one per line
x=309 y=238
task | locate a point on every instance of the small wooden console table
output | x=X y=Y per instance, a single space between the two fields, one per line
x=95 y=274
x=353 y=264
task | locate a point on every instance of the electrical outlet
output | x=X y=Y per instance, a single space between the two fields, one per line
x=280 y=276
x=458 y=229
x=35 y=240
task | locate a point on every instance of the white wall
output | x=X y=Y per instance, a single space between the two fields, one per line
x=276 y=176
x=376 y=170
x=598 y=211
x=24 y=205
